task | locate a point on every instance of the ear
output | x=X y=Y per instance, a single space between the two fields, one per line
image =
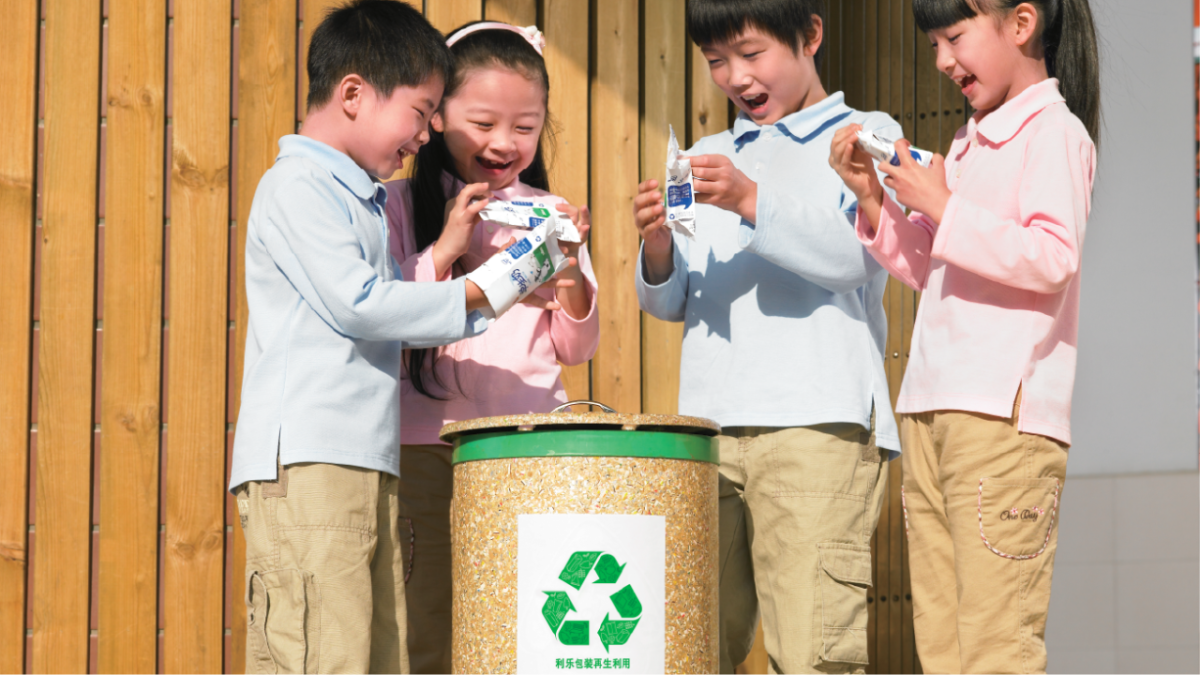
x=1024 y=23
x=815 y=36
x=438 y=122
x=350 y=94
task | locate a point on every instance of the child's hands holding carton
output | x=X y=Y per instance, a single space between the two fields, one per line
x=720 y=183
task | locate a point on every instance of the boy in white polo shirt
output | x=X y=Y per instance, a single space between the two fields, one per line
x=783 y=341
x=316 y=459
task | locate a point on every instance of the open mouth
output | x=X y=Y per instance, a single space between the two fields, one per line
x=966 y=82
x=756 y=103
x=490 y=166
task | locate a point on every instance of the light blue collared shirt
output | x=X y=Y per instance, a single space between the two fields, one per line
x=329 y=316
x=784 y=322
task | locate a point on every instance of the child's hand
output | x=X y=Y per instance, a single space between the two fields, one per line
x=916 y=187
x=723 y=185
x=556 y=282
x=575 y=299
x=857 y=170
x=651 y=219
x=462 y=214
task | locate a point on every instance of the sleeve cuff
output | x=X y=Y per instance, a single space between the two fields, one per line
x=676 y=259
x=941 y=237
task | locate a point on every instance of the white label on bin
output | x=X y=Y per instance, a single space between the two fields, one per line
x=590 y=593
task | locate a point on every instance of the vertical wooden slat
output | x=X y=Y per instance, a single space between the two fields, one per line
x=446 y=15
x=60 y=603
x=18 y=125
x=130 y=395
x=664 y=81
x=194 y=557
x=709 y=105
x=617 y=366
x=266 y=111
x=566 y=29
x=516 y=12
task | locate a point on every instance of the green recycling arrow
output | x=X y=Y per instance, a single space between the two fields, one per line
x=556 y=608
x=616 y=632
x=576 y=571
x=626 y=602
x=607 y=570
x=574 y=633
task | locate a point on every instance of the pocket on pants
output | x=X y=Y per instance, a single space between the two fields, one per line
x=845 y=576
x=283 y=622
x=1016 y=517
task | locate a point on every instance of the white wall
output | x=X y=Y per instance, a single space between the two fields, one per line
x=1135 y=391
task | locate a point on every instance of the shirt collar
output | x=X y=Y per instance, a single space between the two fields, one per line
x=800 y=124
x=334 y=161
x=1003 y=123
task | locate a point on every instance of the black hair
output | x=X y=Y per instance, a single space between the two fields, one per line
x=789 y=21
x=386 y=42
x=482 y=49
x=1069 y=41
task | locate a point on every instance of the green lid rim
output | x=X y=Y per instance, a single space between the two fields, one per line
x=586 y=443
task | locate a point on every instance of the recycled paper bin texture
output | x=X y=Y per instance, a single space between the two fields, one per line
x=584 y=542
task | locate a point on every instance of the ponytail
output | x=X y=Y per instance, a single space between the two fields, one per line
x=480 y=49
x=1068 y=40
x=1072 y=56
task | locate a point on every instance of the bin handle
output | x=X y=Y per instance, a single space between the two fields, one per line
x=568 y=404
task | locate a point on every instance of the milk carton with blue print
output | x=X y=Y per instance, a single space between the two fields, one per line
x=681 y=200
x=512 y=274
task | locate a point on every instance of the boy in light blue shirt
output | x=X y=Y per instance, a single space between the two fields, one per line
x=784 y=338
x=316 y=458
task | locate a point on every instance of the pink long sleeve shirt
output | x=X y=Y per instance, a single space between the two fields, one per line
x=1000 y=275
x=511 y=369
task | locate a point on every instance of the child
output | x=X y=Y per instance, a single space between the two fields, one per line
x=784 y=339
x=994 y=241
x=487 y=142
x=315 y=460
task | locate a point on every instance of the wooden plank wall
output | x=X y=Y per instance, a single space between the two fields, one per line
x=133 y=135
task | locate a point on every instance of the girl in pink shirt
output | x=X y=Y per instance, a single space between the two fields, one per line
x=486 y=143
x=994 y=243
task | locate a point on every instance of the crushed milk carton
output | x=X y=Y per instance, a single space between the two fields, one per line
x=526 y=214
x=681 y=202
x=510 y=275
x=883 y=151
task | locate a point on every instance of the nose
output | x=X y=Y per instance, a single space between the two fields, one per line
x=946 y=61
x=739 y=73
x=423 y=135
x=502 y=142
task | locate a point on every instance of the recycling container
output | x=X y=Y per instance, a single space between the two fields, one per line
x=584 y=541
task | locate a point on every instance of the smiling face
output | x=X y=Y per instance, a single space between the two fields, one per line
x=992 y=59
x=492 y=124
x=763 y=76
x=387 y=130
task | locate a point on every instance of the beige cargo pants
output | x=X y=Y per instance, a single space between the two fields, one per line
x=798 y=507
x=981 y=508
x=324 y=578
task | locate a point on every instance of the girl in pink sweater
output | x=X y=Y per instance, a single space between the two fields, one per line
x=486 y=142
x=994 y=243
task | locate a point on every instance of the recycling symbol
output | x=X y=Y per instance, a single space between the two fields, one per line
x=625 y=601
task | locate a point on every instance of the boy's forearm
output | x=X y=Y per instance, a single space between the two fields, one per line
x=475 y=297
x=659 y=265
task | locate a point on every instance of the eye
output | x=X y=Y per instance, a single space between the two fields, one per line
x=954 y=38
x=713 y=63
x=751 y=55
x=420 y=113
x=483 y=125
x=525 y=130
